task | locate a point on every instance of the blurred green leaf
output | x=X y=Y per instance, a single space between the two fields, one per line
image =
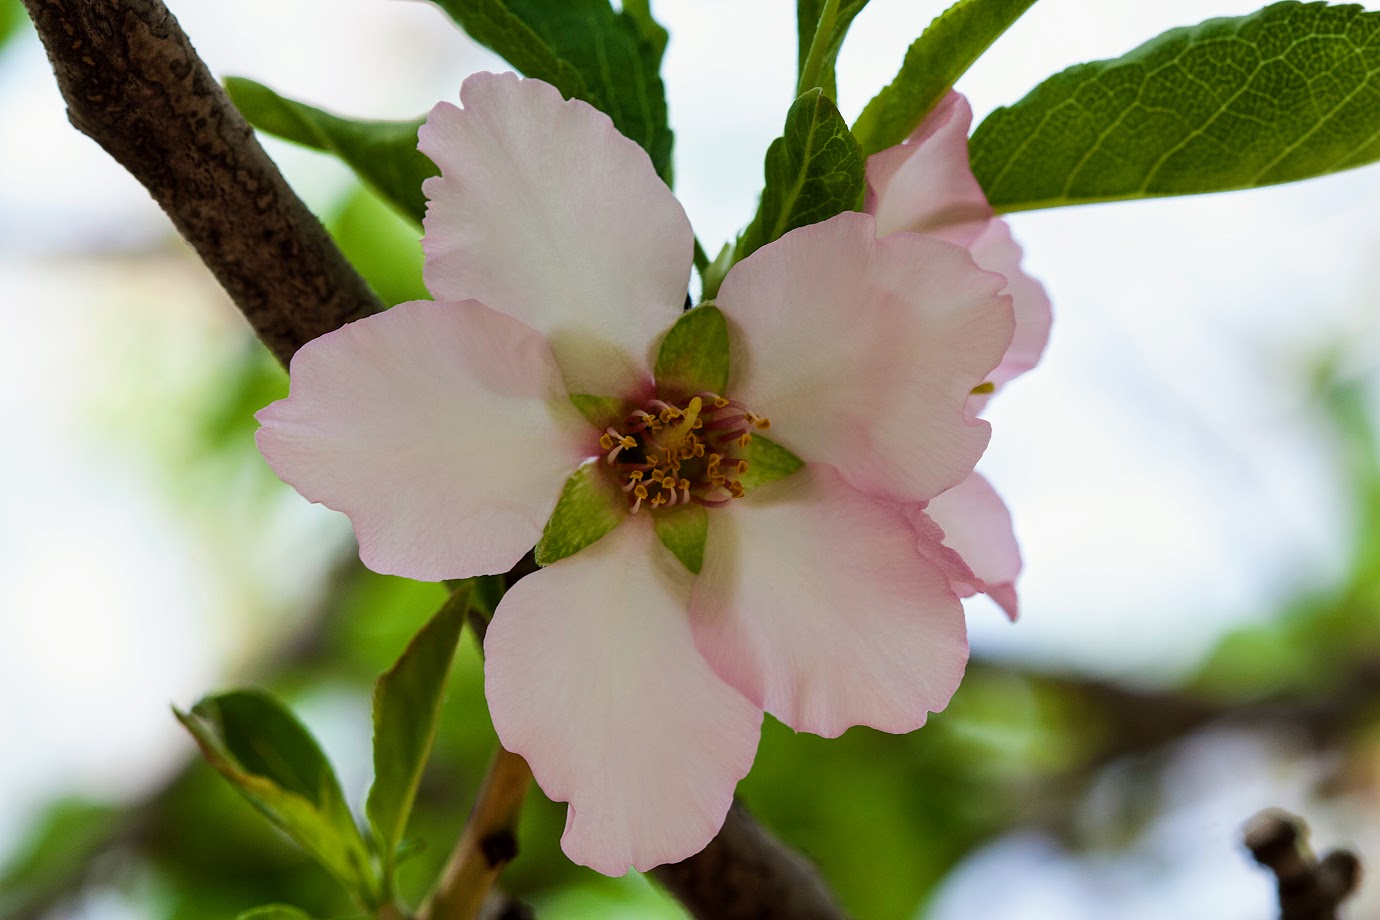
x=383 y=247
x=407 y=704
x=274 y=912
x=693 y=357
x=683 y=531
x=590 y=506
x=767 y=462
x=821 y=26
x=813 y=171
x=12 y=19
x=612 y=60
x=1287 y=93
x=62 y=839
x=933 y=63
x=383 y=154
x=275 y=763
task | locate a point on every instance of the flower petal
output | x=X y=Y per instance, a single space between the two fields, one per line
x=441 y=429
x=592 y=675
x=997 y=251
x=545 y=212
x=977 y=525
x=863 y=352
x=925 y=184
x=816 y=602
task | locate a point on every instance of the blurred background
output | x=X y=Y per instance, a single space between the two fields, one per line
x=1193 y=470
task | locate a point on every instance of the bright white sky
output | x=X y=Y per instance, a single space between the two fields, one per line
x=1163 y=465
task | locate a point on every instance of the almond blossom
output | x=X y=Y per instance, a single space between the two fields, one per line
x=632 y=671
x=924 y=185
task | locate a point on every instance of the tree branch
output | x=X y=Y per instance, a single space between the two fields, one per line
x=747 y=874
x=1309 y=889
x=134 y=84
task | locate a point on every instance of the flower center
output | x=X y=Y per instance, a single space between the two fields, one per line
x=670 y=455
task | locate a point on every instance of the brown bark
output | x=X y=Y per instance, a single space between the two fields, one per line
x=747 y=874
x=134 y=84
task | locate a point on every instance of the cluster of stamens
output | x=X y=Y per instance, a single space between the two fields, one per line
x=669 y=455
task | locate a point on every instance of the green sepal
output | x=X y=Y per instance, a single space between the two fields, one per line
x=407 y=709
x=932 y=65
x=683 y=531
x=601 y=411
x=383 y=154
x=590 y=506
x=275 y=763
x=693 y=357
x=814 y=170
x=767 y=462
x=1283 y=94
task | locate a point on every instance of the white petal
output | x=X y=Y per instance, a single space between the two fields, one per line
x=863 y=352
x=977 y=525
x=816 y=602
x=592 y=675
x=441 y=429
x=545 y=212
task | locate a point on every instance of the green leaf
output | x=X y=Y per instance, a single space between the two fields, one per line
x=12 y=19
x=767 y=462
x=591 y=505
x=383 y=154
x=683 y=530
x=693 y=357
x=275 y=763
x=382 y=246
x=601 y=411
x=821 y=26
x=586 y=50
x=813 y=171
x=407 y=706
x=274 y=912
x=1287 y=93
x=933 y=64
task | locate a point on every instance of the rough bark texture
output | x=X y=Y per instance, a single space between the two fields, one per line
x=134 y=84
x=747 y=874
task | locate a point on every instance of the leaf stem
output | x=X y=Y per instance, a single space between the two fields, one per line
x=819 y=46
x=488 y=843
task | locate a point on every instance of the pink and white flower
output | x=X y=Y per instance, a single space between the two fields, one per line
x=924 y=185
x=634 y=687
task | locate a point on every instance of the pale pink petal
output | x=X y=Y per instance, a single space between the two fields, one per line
x=815 y=602
x=925 y=185
x=863 y=352
x=545 y=212
x=441 y=429
x=592 y=675
x=997 y=251
x=977 y=525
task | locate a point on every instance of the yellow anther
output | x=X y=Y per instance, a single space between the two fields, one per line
x=640 y=490
x=762 y=423
x=745 y=440
x=684 y=484
x=720 y=402
x=635 y=475
x=629 y=442
x=606 y=442
x=742 y=467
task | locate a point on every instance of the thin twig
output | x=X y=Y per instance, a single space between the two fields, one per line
x=487 y=845
x=1309 y=888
